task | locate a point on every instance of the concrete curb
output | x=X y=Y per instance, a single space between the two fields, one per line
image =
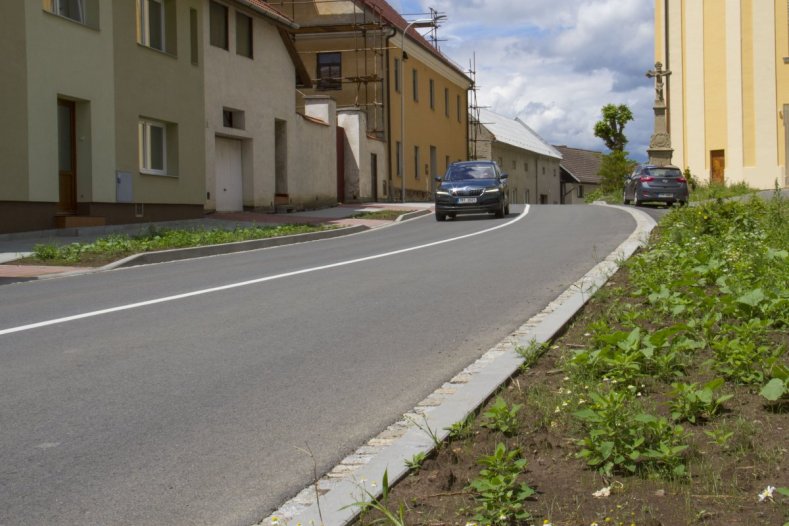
x=363 y=471
x=412 y=215
x=162 y=256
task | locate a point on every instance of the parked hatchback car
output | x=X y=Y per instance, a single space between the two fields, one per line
x=472 y=187
x=650 y=183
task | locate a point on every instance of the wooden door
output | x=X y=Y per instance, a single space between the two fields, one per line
x=67 y=157
x=717 y=166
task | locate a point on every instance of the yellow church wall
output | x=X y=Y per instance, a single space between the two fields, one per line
x=715 y=80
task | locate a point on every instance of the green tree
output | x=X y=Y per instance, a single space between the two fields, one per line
x=611 y=127
x=614 y=169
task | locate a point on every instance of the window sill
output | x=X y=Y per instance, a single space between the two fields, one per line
x=69 y=19
x=159 y=51
x=143 y=171
x=786 y=60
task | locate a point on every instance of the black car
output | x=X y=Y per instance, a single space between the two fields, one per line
x=650 y=183
x=472 y=187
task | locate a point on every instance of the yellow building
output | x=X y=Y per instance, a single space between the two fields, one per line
x=728 y=93
x=353 y=49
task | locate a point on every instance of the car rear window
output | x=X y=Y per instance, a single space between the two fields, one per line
x=470 y=171
x=664 y=172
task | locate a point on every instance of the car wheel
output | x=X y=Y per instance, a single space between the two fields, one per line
x=440 y=217
x=507 y=210
x=452 y=216
x=636 y=202
x=500 y=211
x=683 y=203
x=625 y=200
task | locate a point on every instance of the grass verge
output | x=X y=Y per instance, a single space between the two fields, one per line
x=663 y=403
x=117 y=246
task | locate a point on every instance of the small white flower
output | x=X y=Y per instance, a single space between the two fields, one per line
x=605 y=492
x=581 y=401
x=767 y=493
x=274 y=520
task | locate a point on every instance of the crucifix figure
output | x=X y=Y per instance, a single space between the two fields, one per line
x=658 y=74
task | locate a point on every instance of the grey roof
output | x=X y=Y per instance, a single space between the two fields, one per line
x=583 y=165
x=515 y=132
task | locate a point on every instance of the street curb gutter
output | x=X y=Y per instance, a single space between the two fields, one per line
x=363 y=471
x=162 y=256
x=413 y=215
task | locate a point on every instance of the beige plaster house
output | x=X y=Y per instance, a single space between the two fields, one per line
x=146 y=110
x=353 y=49
x=531 y=163
x=259 y=153
x=102 y=100
x=728 y=93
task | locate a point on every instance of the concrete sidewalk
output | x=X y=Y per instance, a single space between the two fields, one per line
x=19 y=245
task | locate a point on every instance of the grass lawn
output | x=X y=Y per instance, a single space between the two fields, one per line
x=117 y=246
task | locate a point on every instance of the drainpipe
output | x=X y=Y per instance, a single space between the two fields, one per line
x=668 y=64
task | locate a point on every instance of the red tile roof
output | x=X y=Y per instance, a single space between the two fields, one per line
x=389 y=14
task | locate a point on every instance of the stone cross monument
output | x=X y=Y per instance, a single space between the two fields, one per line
x=659 y=150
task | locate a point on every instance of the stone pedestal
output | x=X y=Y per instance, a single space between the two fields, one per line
x=660 y=150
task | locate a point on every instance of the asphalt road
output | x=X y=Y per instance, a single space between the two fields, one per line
x=187 y=407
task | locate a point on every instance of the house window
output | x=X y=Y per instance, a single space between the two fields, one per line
x=193 y=46
x=458 y=107
x=243 y=35
x=73 y=9
x=416 y=162
x=233 y=118
x=329 y=71
x=446 y=162
x=580 y=191
x=526 y=166
x=415 y=84
x=152 y=23
x=432 y=94
x=218 y=25
x=446 y=102
x=153 y=147
x=514 y=164
x=501 y=161
x=397 y=75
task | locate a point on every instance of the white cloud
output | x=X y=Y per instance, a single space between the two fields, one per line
x=555 y=63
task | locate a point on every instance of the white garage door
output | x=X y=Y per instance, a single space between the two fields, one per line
x=229 y=186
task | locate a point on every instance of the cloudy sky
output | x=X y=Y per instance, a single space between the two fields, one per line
x=554 y=63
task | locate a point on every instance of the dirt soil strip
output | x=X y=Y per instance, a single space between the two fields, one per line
x=449 y=404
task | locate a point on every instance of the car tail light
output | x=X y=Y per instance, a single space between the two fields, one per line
x=647 y=179
x=681 y=180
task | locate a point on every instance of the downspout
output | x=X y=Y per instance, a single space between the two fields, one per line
x=388 y=127
x=666 y=57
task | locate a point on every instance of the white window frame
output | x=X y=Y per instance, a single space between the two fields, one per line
x=144 y=131
x=145 y=24
x=57 y=7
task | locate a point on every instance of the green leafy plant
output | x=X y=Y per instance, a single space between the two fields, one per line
x=415 y=462
x=622 y=438
x=371 y=502
x=500 y=497
x=778 y=386
x=501 y=417
x=692 y=403
x=462 y=429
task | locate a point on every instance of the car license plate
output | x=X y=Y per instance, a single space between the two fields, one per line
x=466 y=200
x=666 y=195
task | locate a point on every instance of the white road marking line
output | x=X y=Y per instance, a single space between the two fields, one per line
x=176 y=297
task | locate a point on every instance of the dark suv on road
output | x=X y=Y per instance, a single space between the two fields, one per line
x=650 y=183
x=472 y=187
